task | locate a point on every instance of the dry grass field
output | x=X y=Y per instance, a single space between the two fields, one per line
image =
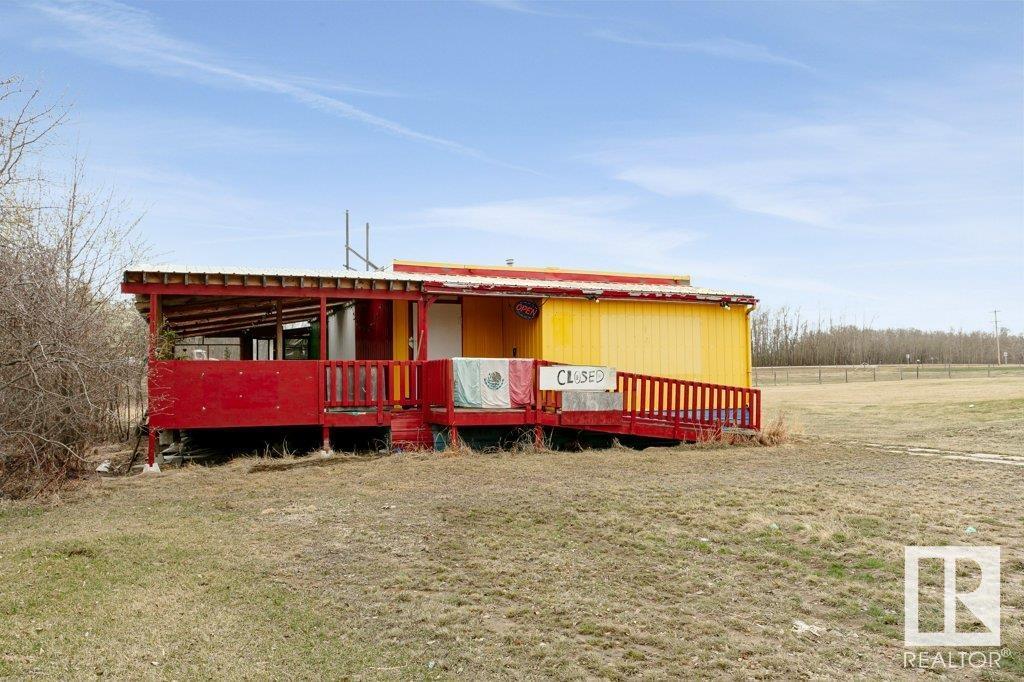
x=667 y=562
x=970 y=415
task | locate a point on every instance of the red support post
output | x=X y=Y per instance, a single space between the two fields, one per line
x=325 y=430
x=154 y=324
x=449 y=383
x=154 y=340
x=421 y=324
x=323 y=328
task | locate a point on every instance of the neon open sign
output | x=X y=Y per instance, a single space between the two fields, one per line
x=577 y=378
x=526 y=309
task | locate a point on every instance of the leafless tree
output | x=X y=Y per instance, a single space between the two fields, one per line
x=24 y=129
x=781 y=336
x=71 y=351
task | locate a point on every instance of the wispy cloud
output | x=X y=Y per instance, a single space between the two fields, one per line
x=900 y=192
x=899 y=159
x=521 y=7
x=130 y=38
x=896 y=176
x=158 y=134
x=187 y=206
x=723 y=48
x=200 y=219
x=598 y=224
x=332 y=86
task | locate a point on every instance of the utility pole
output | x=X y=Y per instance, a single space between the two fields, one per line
x=351 y=251
x=346 y=241
x=995 y=319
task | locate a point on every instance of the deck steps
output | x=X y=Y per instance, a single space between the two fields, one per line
x=408 y=429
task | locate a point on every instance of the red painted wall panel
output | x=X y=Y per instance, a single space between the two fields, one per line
x=373 y=330
x=219 y=394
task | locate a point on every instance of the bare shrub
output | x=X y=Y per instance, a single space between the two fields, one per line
x=71 y=351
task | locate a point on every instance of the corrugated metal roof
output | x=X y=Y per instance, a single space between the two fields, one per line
x=459 y=282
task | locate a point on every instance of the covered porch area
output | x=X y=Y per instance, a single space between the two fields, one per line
x=248 y=350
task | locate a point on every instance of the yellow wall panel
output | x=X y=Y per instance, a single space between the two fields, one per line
x=400 y=330
x=521 y=338
x=694 y=341
x=482 y=327
x=491 y=329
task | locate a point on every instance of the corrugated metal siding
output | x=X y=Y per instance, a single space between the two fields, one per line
x=401 y=333
x=693 y=341
x=681 y=340
x=522 y=338
x=482 y=327
x=374 y=330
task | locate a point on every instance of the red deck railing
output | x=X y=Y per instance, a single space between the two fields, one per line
x=372 y=383
x=688 y=402
x=437 y=382
x=645 y=398
x=190 y=394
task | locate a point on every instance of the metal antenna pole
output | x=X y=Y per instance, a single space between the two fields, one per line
x=346 y=241
x=366 y=260
x=999 y=355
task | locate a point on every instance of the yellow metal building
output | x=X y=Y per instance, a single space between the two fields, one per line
x=705 y=340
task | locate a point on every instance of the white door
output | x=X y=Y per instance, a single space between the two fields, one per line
x=444 y=330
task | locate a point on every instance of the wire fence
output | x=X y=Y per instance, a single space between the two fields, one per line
x=839 y=374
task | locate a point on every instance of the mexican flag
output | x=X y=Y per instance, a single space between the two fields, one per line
x=492 y=383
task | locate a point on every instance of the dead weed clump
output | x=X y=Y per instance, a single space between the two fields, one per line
x=776 y=432
x=458 y=448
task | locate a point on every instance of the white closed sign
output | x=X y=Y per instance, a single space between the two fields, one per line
x=577 y=378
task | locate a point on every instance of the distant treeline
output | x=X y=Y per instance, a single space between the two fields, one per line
x=781 y=336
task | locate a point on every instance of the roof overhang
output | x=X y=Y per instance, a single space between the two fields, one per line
x=249 y=298
x=537 y=273
x=594 y=293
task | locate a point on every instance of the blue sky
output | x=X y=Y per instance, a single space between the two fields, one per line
x=864 y=160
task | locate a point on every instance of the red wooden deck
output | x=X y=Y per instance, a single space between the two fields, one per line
x=411 y=396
